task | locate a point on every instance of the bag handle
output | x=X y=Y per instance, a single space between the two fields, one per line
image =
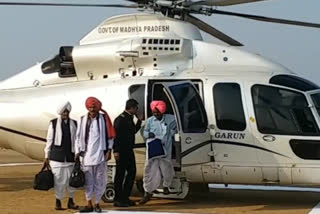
x=77 y=165
x=45 y=166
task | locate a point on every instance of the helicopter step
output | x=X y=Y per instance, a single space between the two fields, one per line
x=179 y=188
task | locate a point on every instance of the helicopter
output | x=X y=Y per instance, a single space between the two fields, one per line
x=242 y=119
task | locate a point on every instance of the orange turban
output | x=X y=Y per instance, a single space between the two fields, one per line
x=160 y=105
x=92 y=101
x=97 y=103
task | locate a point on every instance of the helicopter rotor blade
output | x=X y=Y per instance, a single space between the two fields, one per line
x=221 y=2
x=66 y=4
x=266 y=19
x=211 y=30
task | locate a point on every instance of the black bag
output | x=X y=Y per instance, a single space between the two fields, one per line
x=77 y=178
x=44 y=179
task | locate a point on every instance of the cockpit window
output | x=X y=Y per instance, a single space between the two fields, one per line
x=281 y=111
x=293 y=82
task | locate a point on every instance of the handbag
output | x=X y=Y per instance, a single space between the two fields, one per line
x=44 y=179
x=77 y=178
x=155 y=148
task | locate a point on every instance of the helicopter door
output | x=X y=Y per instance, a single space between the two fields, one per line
x=192 y=123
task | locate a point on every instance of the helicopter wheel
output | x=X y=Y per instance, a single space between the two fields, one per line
x=109 y=193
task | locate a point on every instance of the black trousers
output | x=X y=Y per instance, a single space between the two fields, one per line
x=125 y=175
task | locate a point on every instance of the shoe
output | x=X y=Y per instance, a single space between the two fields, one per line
x=97 y=208
x=166 y=191
x=86 y=209
x=147 y=197
x=131 y=203
x=58 y=205
x=120 y=204
x=72 y=205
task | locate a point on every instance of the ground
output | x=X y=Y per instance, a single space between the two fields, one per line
x=17 y=196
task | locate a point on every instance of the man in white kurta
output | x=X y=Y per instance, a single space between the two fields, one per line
x=161 y=126
x=94 y=145
x=59 y=153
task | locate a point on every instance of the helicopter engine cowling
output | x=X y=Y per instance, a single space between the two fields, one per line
x=146 y=56
x=61 y=63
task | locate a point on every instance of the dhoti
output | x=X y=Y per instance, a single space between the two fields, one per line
x=61 y=177
x=96 y=181
x=155 y=170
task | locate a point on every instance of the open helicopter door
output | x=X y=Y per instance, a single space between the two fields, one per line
x=193 y=136
x=192 y=140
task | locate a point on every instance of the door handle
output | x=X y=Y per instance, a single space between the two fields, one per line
x=269 y=138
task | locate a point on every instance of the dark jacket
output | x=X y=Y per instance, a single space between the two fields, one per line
x=63 y=152
x=126 y=130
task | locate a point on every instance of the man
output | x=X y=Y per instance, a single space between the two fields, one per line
x=94 y=143
x=163 y=127
x=124 y=154
x=60 y=151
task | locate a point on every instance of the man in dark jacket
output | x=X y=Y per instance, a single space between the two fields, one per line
x=124 y=154
x=59 y=153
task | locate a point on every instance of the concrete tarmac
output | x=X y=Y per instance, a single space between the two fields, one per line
x=17 y=196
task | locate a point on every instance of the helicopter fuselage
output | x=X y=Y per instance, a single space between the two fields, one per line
x=260 y=125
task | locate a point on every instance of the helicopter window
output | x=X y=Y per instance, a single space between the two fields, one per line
x=228 y=105
x=316 y=100
x=137 y=92
x=281 y=111
x=157 y=93
x=191 y=110
x=293 y=82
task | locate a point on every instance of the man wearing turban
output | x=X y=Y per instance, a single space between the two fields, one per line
x=60 y=151
x=94 y=142
x=160 y=128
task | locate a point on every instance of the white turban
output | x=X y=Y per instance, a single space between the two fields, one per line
x=65 y=105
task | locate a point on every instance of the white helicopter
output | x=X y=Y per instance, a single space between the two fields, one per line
x=241 y=119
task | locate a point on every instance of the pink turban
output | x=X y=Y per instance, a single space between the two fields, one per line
x=97 y=103
x=160 y=105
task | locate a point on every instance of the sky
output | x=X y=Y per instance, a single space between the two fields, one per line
x=32 y=34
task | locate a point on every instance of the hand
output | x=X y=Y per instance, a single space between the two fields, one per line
x=151 y=135
x=46 y=162
x=116 y=156
x=108 y=155
x=77 y=157
x=139 y=117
